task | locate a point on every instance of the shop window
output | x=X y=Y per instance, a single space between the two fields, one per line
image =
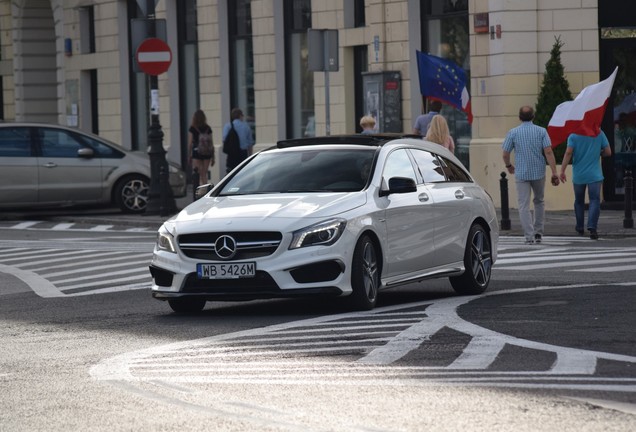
x=445 y=34
x=242 y=59
x=301 y=119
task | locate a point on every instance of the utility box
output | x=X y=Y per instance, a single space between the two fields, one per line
x=383 y=99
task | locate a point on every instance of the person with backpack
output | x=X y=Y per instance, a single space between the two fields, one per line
x=238 y=140
x=200 y=145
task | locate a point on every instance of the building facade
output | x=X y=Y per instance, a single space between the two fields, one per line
x=74 y=62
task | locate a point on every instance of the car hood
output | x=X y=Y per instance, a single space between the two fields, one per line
x=261 y=208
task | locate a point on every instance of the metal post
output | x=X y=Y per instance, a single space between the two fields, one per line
x=158 y=164
x=628 y=222
x=505 y=211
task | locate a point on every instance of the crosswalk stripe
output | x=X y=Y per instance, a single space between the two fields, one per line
x=562 y=264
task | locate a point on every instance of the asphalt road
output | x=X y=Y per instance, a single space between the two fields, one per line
x=550 y=346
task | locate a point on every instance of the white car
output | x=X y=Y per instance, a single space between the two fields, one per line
x=332 y=216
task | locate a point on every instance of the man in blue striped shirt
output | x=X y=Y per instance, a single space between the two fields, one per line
x=530 y=144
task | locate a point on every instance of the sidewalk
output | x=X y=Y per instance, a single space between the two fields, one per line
x=561 y=223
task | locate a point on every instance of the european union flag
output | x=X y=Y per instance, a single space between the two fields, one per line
x=442 y=79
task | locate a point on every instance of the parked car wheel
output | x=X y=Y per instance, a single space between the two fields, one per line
x=131 y=194
x=478 y=263
x=187 y=305
x=365 y=275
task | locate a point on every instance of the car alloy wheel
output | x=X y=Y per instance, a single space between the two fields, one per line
x=478 y=263
x=365 y=275
x=131 y=194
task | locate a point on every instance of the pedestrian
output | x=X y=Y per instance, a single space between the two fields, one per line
x=424 y=120
x=585 y=153
x=200 y=158
x=530 y=144
x=245 y=137
x=438 y=133
x=367 y=123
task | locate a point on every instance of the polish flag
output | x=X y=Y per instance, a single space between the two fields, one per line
x=583 y=115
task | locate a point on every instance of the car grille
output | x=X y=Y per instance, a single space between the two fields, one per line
x=263 y=282
x=249 y=245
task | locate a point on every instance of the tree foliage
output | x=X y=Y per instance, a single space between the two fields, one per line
x=555 y=90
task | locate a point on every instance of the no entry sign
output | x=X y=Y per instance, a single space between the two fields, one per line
x=154 y=56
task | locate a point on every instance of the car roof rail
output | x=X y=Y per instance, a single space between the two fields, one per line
x=358 y=139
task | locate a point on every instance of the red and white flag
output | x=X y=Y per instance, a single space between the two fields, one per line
x=584 y=114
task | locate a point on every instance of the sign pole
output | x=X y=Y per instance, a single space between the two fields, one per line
x=160 y=198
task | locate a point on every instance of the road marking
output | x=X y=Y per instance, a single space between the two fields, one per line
x=259 y=356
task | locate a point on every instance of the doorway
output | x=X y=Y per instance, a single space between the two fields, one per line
x=619 y=123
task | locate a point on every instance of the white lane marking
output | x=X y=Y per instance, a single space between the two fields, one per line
x=38 y=284
x=62 y=226
x=38 y=255
x=563 y=263
x=142 y=274
x=102 y=256
x=230 y=358
x=101 y=228
x=26 y=224
x=570 y=256
x=94 y=268
x=609 y=269
x=480 y=353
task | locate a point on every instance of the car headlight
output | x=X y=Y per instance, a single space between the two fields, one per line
x=165 y=240
x=322 y=234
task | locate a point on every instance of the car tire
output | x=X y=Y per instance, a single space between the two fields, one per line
x=131 y=193
x=187 y=305
x=365 y=275
x=477 y=263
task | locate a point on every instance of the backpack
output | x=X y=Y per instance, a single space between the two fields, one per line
x=231 y=143
x=205 y=143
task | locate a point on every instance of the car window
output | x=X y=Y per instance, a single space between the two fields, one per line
x=453 y=172
x=15 y=142
x=398 y=164
x=306 y=170
x=101 y=149
x=58 y=143
x=429 y=166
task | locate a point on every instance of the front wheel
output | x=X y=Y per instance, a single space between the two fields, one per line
x=131 y=194
x=187 y=305
x=365 y=275
x=477 y=263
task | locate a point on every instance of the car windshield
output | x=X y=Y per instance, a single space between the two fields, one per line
x=303 y=170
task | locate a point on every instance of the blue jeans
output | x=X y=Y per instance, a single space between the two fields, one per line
x=594 y=193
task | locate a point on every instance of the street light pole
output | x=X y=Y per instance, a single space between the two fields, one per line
x=160 y=198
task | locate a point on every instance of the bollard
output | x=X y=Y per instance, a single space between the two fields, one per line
x=505 y=211
x=163 y=191
x=195 y=183
x=628 y=222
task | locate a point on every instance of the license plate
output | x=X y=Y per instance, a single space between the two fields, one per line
x=226 y=270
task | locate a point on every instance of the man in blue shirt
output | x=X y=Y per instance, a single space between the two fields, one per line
x=246 y=139
x=422 y=122
x=530 y=144
x=585 y=153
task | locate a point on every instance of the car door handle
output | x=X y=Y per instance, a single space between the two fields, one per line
x=423 y=197
x=49 y=165
x=459 y=194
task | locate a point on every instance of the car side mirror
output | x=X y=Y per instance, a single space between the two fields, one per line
x=85 y=153
x=400 y=185
x=202 y=190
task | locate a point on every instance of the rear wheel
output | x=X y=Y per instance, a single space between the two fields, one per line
x=477 y=261
x=187 y=305
x=365 y=275
x=131 y=194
